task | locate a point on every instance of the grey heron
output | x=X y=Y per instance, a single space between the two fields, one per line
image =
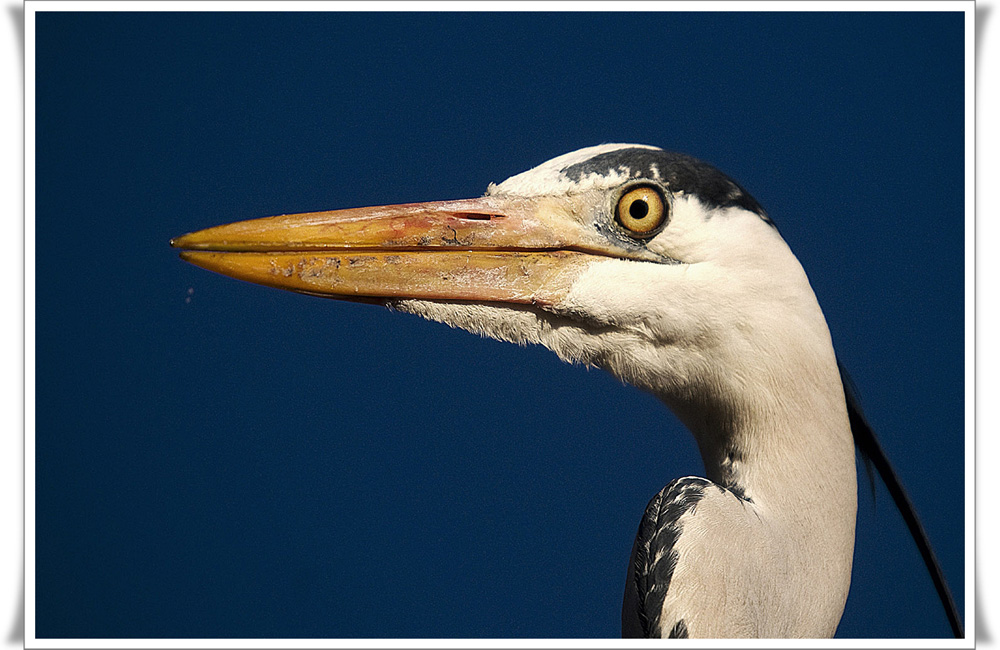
x=663 y=271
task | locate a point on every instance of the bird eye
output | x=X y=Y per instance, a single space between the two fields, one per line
x=641 y=210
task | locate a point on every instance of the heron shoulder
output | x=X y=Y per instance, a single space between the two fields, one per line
x=655 y=587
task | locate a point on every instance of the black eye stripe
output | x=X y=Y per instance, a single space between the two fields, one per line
x=679 y=172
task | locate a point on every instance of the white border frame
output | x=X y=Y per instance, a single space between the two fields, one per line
x=31 y=7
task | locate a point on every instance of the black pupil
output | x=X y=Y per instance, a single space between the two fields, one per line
x=638 y=209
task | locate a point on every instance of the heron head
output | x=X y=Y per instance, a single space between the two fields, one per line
x=606 y=255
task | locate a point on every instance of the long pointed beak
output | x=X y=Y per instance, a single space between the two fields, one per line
x=495 y=249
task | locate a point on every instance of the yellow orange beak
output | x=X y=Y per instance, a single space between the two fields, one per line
x=495 y=249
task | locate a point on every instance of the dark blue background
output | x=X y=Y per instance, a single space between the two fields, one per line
x=219 y=459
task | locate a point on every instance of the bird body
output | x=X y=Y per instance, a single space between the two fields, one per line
x=663 y=271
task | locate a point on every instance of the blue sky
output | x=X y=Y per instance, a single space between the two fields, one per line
x=217 y=459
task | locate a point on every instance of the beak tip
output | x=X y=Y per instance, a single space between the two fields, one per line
x=186 y=241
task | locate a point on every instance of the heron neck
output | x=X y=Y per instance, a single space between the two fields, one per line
x=787 y=451
x=780 y=436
